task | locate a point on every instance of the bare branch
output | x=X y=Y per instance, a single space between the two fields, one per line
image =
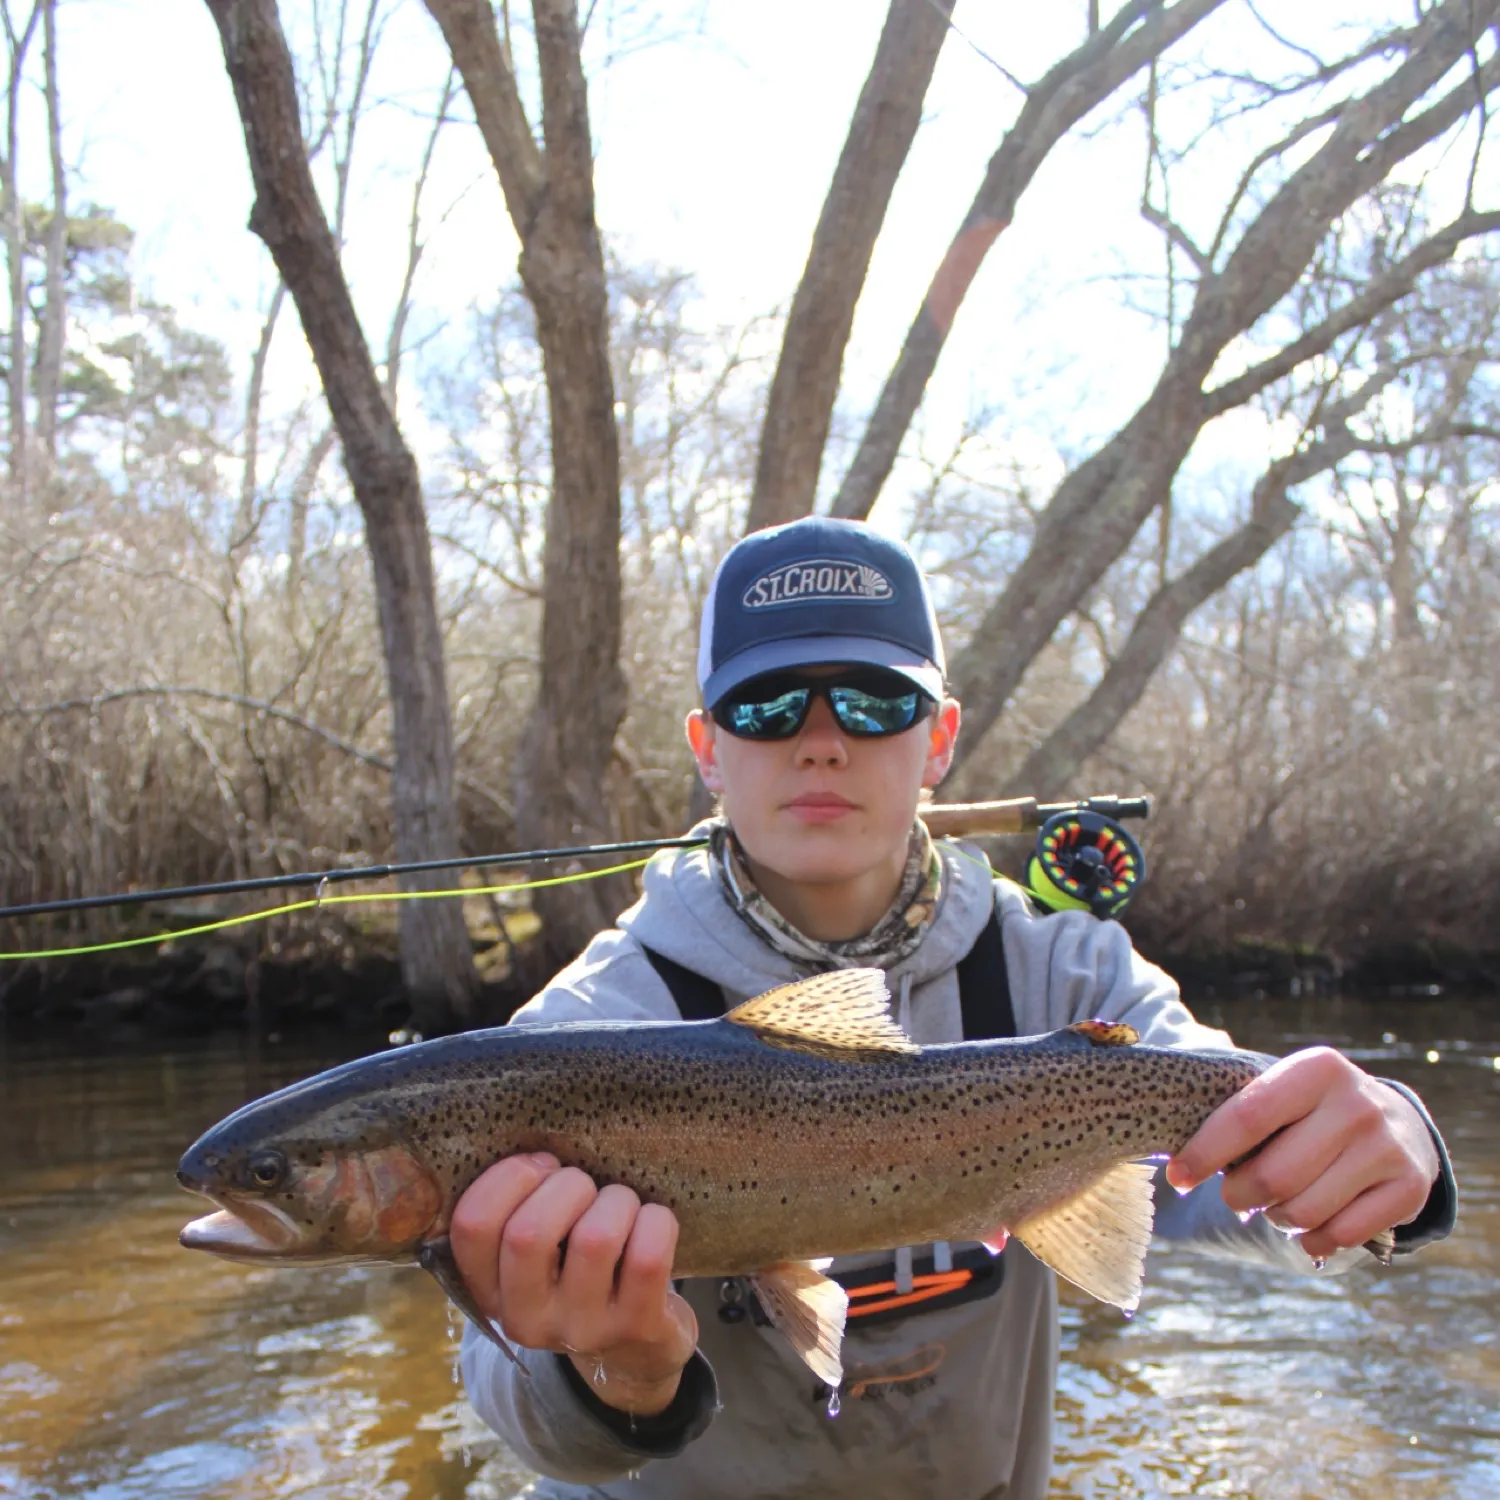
x=414 y=245
x=1384 y=292
x=1140 y=30
x=468 y=27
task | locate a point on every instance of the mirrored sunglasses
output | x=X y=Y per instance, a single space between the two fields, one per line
x=867 y=702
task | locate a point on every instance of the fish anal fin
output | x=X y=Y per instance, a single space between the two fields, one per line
x=1106 y=1033
x=436 y=1257
x=808 y=1308
x=1098 y=1238
x=847 y=1010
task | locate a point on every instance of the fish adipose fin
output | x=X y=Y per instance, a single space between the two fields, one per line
x=1098 y=1238
x=848 y=1010
x=1106 y=1033
x=809 y=1309
x=436 y=1256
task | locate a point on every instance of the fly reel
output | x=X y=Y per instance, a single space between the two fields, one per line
x=1085 y=861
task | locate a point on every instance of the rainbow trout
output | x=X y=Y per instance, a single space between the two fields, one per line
x=804 y=1124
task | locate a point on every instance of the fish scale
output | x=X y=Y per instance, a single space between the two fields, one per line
x=803 y=1125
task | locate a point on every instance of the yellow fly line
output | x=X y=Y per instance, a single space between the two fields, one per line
x=314 y=902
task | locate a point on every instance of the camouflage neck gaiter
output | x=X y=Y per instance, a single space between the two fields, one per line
x=892 y=938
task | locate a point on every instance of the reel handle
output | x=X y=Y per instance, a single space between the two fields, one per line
x=1019 y=814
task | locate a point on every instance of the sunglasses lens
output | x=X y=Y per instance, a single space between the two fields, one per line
x=872 y=714
x=774 y=718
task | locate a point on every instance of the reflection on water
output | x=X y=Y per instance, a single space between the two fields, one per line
x=132 y=1369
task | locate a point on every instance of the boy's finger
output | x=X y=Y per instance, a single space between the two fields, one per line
x=1375 y=1210
x=530 y=1249
x=595 y=1245
x=646 y=1268
x=1324 y=1199
x=1287 y=1165
x=1285 y=1093
x=481 y=1214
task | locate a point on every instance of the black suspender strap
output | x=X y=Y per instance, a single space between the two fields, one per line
x=983 y=988
x=698 y=998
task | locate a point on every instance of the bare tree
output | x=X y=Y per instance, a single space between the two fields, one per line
x=436 y=958
x=549 y=192
x=18 y=44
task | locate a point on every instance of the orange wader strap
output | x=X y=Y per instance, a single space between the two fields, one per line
x=874 y=1294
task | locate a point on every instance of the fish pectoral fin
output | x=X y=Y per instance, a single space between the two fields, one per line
x=808 y=1308
x=1098 y=1238
x=436 y=1257
x=845 y=1010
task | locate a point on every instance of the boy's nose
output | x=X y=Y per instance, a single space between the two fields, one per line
x=821 y=741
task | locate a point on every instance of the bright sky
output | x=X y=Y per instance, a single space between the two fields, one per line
x=714 y=149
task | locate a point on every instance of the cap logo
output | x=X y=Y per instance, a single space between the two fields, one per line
x=822 y=579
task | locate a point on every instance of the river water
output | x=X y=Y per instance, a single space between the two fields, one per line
x=133 y=1370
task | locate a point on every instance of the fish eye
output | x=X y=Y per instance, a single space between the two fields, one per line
x=266 y=1168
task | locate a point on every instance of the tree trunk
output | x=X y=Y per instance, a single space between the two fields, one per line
x=15 y=255
x=800 y=405
x=436 y=956
x=566 y=749
x=49 y=345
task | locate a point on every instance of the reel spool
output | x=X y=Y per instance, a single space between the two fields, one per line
x=1085 y=861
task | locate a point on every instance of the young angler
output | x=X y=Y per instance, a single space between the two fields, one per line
x=822 y=671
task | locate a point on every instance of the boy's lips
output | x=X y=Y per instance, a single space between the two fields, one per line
x=819 y=807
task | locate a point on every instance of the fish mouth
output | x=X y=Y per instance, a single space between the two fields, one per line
x=248 y=1232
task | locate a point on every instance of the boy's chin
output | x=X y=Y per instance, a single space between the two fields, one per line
x=814 y=860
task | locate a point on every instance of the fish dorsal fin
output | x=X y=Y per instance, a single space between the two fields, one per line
x=845 y=1011
x=1106 y=1033
x=808 y=1308
x=1098 y=1238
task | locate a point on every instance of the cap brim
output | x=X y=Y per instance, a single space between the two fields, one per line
x=822 y=651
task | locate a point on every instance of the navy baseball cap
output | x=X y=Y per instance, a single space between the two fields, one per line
x=816 y=592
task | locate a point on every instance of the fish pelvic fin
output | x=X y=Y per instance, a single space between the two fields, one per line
x=1106 y=1033
x=1382 y=1246
x=845 y=1011
x=1098 y=1238
x=436 y=1257
x=808 y=1308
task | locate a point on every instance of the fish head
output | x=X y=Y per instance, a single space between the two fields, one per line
x=297 y=1178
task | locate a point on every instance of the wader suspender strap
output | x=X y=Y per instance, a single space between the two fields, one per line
x=698 y=998
x=983 y=988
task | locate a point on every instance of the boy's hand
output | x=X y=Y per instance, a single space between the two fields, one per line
x=1352 y=1157
x=606 y=1302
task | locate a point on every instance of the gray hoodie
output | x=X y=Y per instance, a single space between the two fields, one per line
x=953 y=1402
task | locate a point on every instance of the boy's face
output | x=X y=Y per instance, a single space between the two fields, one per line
x=824 y=806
